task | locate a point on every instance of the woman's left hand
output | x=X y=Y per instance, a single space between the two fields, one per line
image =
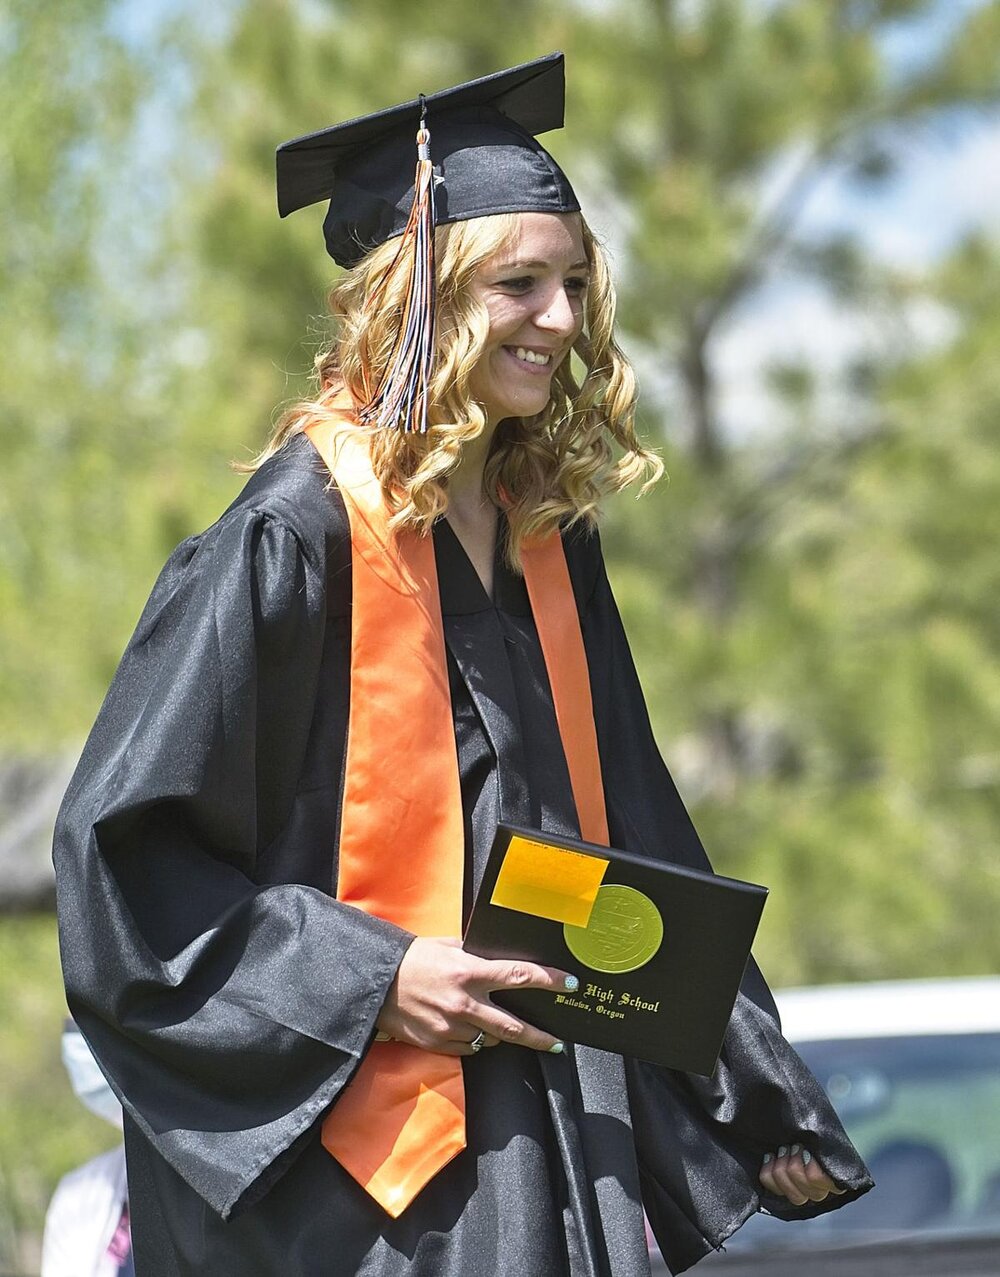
x=794 y=1173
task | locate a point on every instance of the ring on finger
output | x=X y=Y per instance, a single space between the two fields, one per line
x=478 y=1042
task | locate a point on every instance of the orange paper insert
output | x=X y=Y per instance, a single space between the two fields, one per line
x=549 y=882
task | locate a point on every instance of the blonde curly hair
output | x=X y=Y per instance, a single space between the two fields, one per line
x=547 y=470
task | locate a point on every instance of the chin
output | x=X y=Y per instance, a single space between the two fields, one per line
x=521 y=410
x=521 y=405
x=502 y=396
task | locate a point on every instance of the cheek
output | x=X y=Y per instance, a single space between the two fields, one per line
x=506 y=317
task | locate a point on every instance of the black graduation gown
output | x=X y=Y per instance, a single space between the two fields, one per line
x=229 y=996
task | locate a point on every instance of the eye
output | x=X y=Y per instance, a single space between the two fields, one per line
x=521 y=285
x=575 y=285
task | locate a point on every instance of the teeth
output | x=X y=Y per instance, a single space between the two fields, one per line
x=530 y=357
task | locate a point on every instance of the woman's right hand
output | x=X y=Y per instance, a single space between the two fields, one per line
x=440 y=999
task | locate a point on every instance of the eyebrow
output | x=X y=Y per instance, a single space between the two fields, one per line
x=540 y=266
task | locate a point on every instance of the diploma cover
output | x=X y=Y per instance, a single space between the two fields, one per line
x=659 y=949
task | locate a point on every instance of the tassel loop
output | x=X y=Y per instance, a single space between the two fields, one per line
x=402 y=399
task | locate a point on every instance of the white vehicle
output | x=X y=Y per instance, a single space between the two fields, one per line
x=913 y=1069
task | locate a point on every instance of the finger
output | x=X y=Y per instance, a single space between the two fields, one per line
x=449 y=1048
x=803 y=1172
x=785 y=1185
x=440 y=1044
x=766 y=1176
x=769 y=1177
x=526 y=975
x=467 y=1047
x=797 y=1169
x=818 y=1177
x=505 y=1027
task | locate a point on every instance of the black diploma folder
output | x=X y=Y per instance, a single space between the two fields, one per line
x=659 y=949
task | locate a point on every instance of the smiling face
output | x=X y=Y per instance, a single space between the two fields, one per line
x=534 y=292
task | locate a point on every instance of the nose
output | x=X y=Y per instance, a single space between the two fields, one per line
x=559 y=314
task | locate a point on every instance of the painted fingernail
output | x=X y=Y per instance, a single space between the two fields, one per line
x=572 y=983
x=783 y=1150
x=794 y=1149
x=767 y=1158
x=806 y=1157
x=556 y=1048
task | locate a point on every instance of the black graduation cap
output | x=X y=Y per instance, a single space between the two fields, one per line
x=483 y=150
x=476 y=154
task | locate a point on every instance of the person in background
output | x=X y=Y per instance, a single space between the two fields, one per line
x=87 y=1225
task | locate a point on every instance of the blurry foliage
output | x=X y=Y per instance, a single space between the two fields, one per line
x=813 y=610
x=94 y=416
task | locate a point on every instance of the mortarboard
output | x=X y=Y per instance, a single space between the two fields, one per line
x=477 y=154
x=484 y=154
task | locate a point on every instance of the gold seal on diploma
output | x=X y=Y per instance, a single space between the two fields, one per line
x=625 y=930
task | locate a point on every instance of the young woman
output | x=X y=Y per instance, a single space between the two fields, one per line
x=333 y=695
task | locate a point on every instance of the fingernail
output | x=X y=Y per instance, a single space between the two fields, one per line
x=806 y=1157
x=767 y=1158
x=572 y=983
x=783 y=1150
x=793 y=1150
x=556 y=1048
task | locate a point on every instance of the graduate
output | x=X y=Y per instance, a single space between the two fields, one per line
x=400 y=633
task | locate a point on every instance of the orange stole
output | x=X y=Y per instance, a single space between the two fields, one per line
x=402 y=1116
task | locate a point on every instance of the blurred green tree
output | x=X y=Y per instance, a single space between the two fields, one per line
x=70 y=90
x=86 y=327
x=792 y=724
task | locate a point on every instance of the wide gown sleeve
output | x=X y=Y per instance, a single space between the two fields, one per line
x=700 y=1141
x=227 y=1013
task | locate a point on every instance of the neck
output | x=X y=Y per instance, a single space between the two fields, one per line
x=465 y=483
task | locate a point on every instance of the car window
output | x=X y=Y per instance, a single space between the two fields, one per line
x=928 y=1110
x=925 y=1114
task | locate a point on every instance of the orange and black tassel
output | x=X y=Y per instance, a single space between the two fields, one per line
x=402 y=397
